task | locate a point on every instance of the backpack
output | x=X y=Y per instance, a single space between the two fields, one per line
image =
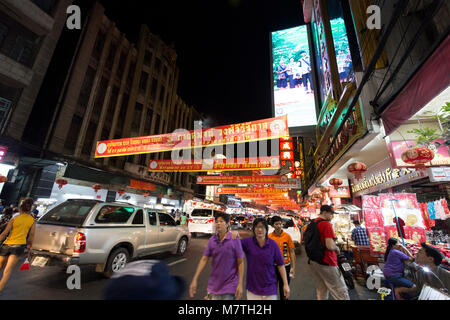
x=315 y=250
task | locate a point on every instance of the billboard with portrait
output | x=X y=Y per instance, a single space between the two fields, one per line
x=292 y=77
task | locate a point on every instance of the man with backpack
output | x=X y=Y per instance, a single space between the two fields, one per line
x=322 y=252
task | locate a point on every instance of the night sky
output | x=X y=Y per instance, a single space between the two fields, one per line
x=223 y=49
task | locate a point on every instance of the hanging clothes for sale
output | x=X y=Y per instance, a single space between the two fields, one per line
x=431 y=211
x=424 y=211
x=445 y=207
x=440 y=214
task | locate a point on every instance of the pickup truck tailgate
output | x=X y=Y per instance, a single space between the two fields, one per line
x=54 y=238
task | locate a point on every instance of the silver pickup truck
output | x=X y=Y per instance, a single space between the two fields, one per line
x=108 y=235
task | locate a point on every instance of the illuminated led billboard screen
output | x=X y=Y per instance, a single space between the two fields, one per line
x=292 y=77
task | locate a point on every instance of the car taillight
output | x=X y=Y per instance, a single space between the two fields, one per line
x=80 y=243
x=210 y=221
x=191 y=221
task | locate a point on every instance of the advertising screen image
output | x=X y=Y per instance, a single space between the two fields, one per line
x=292 y=77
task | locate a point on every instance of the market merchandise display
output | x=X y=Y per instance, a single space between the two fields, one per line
x=392 y=215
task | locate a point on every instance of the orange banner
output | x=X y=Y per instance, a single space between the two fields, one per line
x=251 y=190
x=234 y=180
x=272 y=128
x=274 y=196
x=136 y=184
x=215 y=165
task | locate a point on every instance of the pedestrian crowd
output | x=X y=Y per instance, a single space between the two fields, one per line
x=270 y=257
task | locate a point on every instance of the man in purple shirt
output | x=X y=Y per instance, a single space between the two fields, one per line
x=226 y=278
x=263 y=256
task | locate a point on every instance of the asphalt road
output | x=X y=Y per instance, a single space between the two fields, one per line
x=49 y=283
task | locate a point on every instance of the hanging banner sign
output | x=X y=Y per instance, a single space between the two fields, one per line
x=215 y=165
x=235 y=180
x=142 y=185
x=281 y=196
x=251 y=190
x=291 y=184
x=272 y=128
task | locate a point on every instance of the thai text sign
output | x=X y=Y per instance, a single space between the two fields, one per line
x=234 y=180
x=250 y=190
x=382 y=176
x=273 y=128
x=215 y=164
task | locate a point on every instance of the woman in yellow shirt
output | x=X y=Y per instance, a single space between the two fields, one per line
x=18 y=228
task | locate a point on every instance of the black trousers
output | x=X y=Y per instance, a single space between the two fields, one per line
x=280 y=281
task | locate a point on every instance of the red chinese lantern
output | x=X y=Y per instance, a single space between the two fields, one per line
x=96 y=187
x=418 y=156
x=61 y=183
x=120 y=192
x=3 y=179
x=357 y=168
x=336 y=182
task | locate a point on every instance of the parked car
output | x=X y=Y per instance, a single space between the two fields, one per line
x=108 y=235
x=290 y=227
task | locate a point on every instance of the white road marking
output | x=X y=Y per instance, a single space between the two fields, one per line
x=176 y=262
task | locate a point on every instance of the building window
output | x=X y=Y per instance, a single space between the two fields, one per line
x=143 y=82
x=83 y=98
x=157 y=66
x=17 y=42
x=122 y=61
x=148 y=58
x=148 y=122
x=161 y=95
x=154 y=88
x=3 y=33
x=89 y=139
x=46 y=5
x=112 y=105
x=122 y=115
x=99 y=44
x=73 y=133
x=158 y=124
x=111 y=55
x=100 y=99
x=131 y=73
x=137 y=117
x=5 y=106
x=23 y=50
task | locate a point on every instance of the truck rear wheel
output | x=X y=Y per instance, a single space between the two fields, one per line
x=182 y=246
x=117 y=260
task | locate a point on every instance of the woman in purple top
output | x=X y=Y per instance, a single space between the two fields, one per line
x=394 y=269
x=225 y=250
x=263 y=256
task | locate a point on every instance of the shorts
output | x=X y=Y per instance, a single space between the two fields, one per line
x=14 y=249
x=400 y=281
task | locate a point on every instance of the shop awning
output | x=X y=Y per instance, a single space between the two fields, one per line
x=95 y=175
x=432 y=78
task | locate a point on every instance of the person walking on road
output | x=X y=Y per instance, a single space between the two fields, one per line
x=263 y=256
x=226 y=278
x=183 y=220
x=18 y=228
x=322 y=253
x=287 y=249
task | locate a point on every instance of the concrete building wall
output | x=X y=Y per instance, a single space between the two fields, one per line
x=28 y=78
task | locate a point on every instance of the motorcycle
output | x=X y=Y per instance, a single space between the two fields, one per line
x=346 y=270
